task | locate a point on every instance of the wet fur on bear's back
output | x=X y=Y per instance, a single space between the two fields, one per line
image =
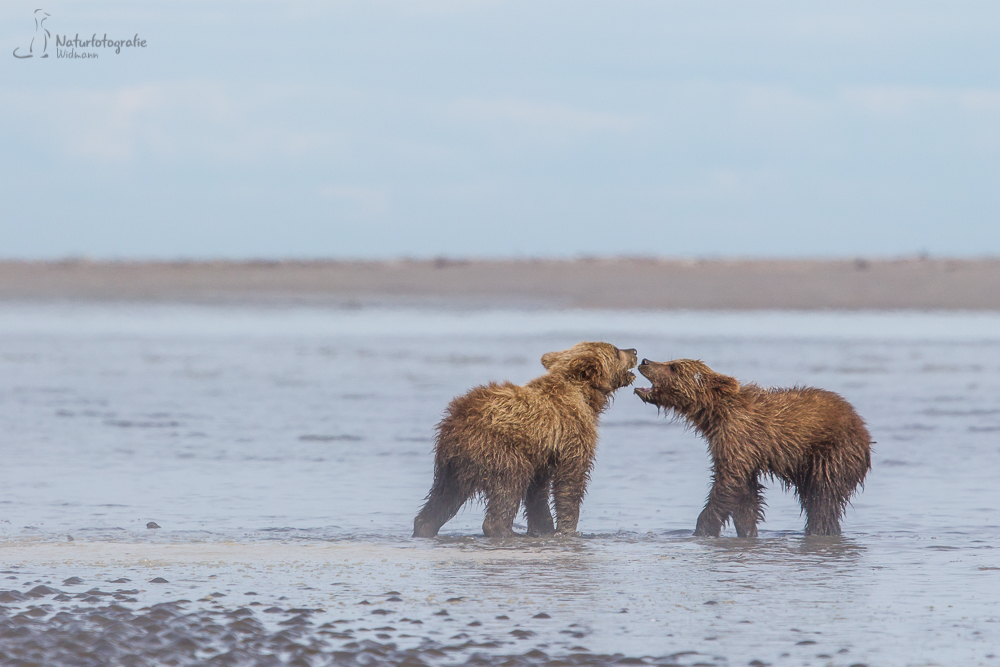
x=780 y=430
x=810 y=439
x=511 y=444
x=505 y=420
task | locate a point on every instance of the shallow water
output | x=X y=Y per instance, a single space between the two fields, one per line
x=284 y=452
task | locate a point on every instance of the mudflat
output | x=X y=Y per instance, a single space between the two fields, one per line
x=605 y=283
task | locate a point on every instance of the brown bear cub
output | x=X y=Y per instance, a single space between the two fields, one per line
x=510 y=444
x=810 y=439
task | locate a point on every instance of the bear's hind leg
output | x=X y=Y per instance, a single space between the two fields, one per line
x=501 y=509
x=822 y=500
x=536 y=504
x=823 y=510
x=446 y=497
x=822 y=515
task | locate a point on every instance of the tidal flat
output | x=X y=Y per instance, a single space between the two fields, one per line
x=283 y=450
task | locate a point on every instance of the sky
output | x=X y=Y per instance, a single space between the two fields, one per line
x=300 y=129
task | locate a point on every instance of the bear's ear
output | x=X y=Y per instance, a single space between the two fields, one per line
x=723 y=384
x=585 y=368
x=549 y=359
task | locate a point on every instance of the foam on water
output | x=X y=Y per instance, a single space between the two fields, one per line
x=284 y=452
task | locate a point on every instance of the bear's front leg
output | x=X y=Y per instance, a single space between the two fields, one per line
x=536 y=504
x=710 y=522
x=719 y=506
x=749 y=508
x=569 y=483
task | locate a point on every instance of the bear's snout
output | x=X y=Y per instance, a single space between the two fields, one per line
x=653 y=371
x=649 y=368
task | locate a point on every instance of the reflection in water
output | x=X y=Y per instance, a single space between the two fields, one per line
x=284 y=455
x=786 y=547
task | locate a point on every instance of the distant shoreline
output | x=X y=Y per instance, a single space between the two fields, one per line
x=602 y=283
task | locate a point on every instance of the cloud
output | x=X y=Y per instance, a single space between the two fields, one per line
x=166 y=121
x=542 y=116
x=365 y=201
x=909 y=100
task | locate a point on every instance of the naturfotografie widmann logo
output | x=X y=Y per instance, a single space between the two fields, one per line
x=66 y=46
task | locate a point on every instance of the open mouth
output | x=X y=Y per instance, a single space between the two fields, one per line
x=645 y=393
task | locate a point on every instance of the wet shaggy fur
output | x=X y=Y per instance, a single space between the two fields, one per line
x=810 y=439
x=511 y=444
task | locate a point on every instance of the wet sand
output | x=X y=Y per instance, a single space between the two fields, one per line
x=611 y=283
x=443 y=602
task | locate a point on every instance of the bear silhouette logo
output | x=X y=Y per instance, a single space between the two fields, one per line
x=38 y=48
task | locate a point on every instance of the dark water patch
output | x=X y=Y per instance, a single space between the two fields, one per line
x=950 y=368
x=975 y=412
x=461 y=360
x=917 y=427
x=96 y=413
x=286 y=533
x=850 y=370
x=642 y=423
x=42 y=390
x=128 y=423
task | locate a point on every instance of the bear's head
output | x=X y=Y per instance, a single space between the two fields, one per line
x=684 y=385
x=601 y=366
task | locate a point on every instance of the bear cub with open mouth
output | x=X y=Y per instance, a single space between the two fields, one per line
x=812 y=440
x=511 y=444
